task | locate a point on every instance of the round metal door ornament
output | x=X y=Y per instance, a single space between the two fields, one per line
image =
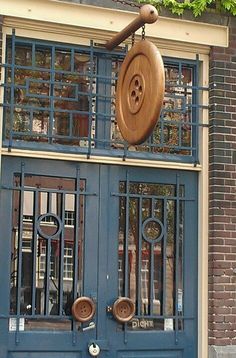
x=140 y=92
x=123 y=309
x=83 y=309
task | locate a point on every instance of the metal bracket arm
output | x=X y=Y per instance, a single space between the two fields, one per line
x=148 y=14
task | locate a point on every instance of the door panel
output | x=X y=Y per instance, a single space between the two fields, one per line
x=102 y=232
x=155 y=215
x=44 y=355
x=45 y=222
x=138 y=354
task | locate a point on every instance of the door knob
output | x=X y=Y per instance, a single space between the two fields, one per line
x=123 y=309
x=83 y=309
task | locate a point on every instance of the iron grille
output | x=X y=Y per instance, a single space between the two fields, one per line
x=151 y=253
x=62 y=98
x=47 y=249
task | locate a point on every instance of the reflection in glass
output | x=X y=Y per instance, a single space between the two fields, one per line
x=47 y=243
x=51 y=101
x=150 y=269
x=174 y=130
x=66 y=94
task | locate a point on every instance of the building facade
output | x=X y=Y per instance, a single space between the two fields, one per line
x=105 y=247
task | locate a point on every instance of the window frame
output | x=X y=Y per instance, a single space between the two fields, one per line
x=102 y=148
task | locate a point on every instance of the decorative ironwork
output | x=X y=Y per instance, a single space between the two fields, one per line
x=62 y=98
x=151 y=247
x=47 y=255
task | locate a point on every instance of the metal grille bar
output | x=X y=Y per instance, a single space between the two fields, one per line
x=37 y=201
x=62 y=98
x=152 y=271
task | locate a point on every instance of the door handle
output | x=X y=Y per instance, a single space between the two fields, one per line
x=123 y=309
x=83 y=309
x=91 y=325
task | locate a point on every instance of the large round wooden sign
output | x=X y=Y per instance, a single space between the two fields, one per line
x=140 y=92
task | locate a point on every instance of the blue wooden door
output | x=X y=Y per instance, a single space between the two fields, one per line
x=102 y=232
x=152 y=259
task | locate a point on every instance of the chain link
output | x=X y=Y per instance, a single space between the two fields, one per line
x=133 y=39
x=129 y=3
x=143 y=32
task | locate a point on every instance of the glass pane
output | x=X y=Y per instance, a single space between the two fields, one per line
x=46 y=243
x=51 y=100
x=148 y=265
x=170 y=258
x=173 y=132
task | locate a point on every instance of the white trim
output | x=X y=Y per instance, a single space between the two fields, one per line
x=76 y=35
x=99 y=160
x=203 y=223
x=113 y=20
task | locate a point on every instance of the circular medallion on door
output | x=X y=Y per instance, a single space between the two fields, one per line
x=83 y=309
x=123 y=309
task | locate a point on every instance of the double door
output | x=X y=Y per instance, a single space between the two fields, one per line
x=97 y=260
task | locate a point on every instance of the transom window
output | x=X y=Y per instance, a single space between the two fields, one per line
x=62 y=98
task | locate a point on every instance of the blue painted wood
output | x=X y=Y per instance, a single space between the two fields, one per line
x=178 y=343
x=100 y=279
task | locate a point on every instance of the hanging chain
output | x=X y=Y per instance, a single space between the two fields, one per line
x=143 y=32
x=133 y=39
x=132 y=4
x=127 y=2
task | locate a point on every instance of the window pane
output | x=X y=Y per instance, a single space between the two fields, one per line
x=150 y=266
x=44 y=250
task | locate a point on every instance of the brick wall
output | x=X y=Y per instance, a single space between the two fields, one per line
x=1 y=19
x=222 y=197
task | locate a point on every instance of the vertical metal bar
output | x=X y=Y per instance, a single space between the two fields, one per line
x=70 y=124
x=196 y=96
x=33 y=55
x=49 y=202
x=151 y=268
x=164 y=261
x=48 y=261
x=34 y=250
x=162 y=120
x=51 y=96
x=151 y=279
x=76 y=246
x=180 y=311
x=125 y=151
x=126 y=248
x=76 y=233
x=103 y=104
x=19 y=262
x=12 y=86
x=20 y=232
x=72 y=60
x=47 y=277
x=31 y=112
x=177 y=257
x=91 y=60
x=139 y=268
x=179 y=122
x=62 y=241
